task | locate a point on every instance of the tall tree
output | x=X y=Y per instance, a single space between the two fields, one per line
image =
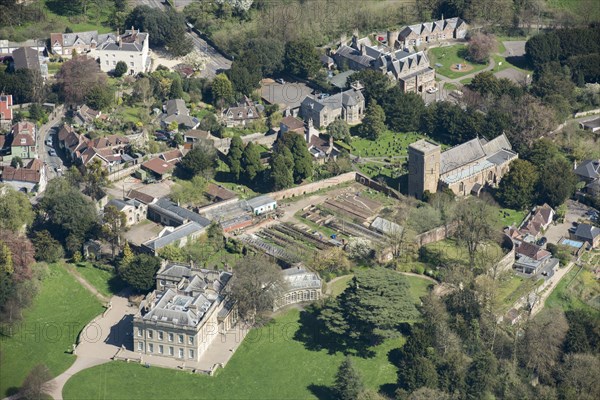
x=139 y=273
x=234 y=157
x=250 y=161
x=222 y=90
x=46 y=247
x=198 y=161
x=77 y=77
x=114 y=223
x=37 y=383
x=176 y=91
x=557 y=181
x=94 y=179
x=67 y=211
x=301 y=58
x=481 y=47
x=339 y=130
x=303 y=164
x=372 y=306
x=15 y=210
x=540 y=346
x=517 y=188
x=373 y=123
x=348 y=382
x=281 y=176
x=256 y=284
x=403 y=110
x=475 y=219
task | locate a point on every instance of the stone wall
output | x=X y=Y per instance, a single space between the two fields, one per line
x=368 y=182
x=435 y=235
x=313 y=187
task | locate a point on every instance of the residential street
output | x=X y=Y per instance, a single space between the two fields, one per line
x=53 y=163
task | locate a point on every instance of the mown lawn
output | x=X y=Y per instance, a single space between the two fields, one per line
x=449 y=56
x=270 y=364
x=49 y=328
x=106 y=282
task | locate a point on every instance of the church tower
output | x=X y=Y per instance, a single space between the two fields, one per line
x=423 y=168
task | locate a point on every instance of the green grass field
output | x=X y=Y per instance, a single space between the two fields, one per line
x=49 y=328
x=106 y=282
x=270 y=364
x=449 y=56
x=578 y=289
x=511 y=288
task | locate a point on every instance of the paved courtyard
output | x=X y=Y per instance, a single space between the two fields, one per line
x=514 y=48
x=512 y=74
x=575 y=212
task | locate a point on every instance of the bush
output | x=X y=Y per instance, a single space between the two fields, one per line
x=120 y=69
x=418 y=269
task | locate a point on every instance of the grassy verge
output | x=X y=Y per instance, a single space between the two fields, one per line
x=49 y=328
x=512 y=288
x=449 y=56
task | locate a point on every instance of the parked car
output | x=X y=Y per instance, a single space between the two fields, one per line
x=432 y=90
x=160 y=137
x=49 y=142
x=280 y=81
x=52 y=152
x=542 y=241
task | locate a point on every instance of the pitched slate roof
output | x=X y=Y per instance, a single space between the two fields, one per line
x=176 y=234
x=589 y=169
x=131 y=40
x=460 y=155
x=532 y=251
x=587 y=231
x=140 y=196
x=26 y=57
x=292 y=123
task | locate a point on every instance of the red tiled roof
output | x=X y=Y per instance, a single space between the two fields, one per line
x=30 y=173
x=292 y=123
x=158 y=166
x=5 y=107
x=143 y=197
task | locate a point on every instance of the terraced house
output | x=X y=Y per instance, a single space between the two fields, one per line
x=23 y=142
x=428 y=32
x=188 y=310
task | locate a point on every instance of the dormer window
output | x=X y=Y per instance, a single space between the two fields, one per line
x=23 y=141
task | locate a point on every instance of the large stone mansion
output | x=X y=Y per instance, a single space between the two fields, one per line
x=465 y=169
x=186 y=312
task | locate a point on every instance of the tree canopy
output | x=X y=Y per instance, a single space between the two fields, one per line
x=15 y=210
x=139 y=273
x=301 y=58
x=517 y=188
x=370 y=309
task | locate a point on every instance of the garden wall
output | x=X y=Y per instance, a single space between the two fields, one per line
x=435 y=235
x=368 y=182
x=313 y=187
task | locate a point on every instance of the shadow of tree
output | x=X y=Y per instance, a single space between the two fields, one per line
x=315 y=336
x=323 y=392
x=518 y=61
